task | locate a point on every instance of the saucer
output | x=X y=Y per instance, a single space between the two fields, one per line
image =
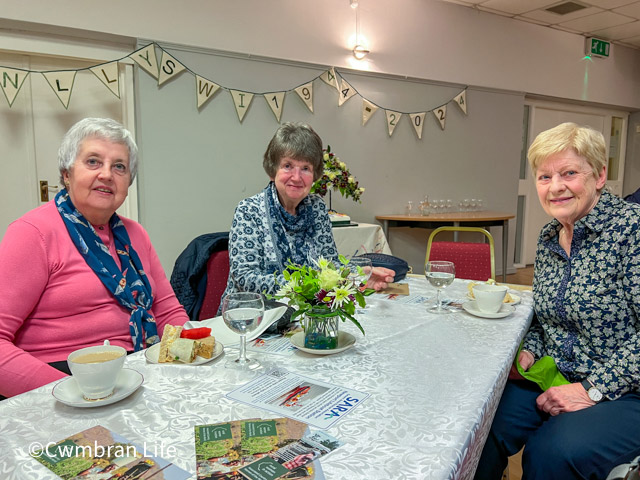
x=67 y=390
x=345 y=341
x=472 y=308
x=153 y=352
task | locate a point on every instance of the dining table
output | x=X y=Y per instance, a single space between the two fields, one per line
x=433 y=383
x=482 y=218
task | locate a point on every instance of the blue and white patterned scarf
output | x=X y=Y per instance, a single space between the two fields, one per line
x=281 y=221
x=130 y=287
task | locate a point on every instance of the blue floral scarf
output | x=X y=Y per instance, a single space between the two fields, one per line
x=280 y=222
x=130 y=287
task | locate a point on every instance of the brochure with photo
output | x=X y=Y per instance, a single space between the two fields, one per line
x=100 y=454
x=223 y=448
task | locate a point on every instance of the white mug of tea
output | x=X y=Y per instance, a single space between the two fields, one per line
x=96 y=369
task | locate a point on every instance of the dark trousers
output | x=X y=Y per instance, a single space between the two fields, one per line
x=586 y=444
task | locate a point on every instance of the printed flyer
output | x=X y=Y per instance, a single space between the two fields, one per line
x=272 y=344
x=100 y=454
x=223 y=448
x=301 y=398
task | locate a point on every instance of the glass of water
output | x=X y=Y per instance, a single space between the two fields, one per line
x=440 y=274
x=360 y=269
x=242 y=313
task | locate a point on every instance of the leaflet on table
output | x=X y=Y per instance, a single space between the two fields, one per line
x=223 y=448
x=288 y=459
x=272 y=343
x=98 y=453
x=302 y=398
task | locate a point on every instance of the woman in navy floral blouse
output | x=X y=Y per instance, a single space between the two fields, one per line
x=283 y=221
x=587 y=303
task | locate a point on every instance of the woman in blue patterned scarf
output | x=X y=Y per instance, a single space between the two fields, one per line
x=587 y=303
x=74 y=273
x=284 y=222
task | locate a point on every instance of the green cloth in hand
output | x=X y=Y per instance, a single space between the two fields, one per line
x=544 y=372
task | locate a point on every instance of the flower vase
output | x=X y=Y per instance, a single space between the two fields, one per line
x=320 y=332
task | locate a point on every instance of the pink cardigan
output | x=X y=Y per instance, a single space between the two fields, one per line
x=52 y=303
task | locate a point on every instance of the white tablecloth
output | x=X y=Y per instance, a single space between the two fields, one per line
x=365 y=238
x=434 y=383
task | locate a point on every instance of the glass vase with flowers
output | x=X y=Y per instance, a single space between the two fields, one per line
x=322 y=295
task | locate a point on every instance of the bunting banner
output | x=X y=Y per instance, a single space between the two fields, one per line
x=62 y=84
x=305 y=92
x=346 y=92
x=329 y=77
x=12 y=80
x=417 y=120
x=368 y=109
x=205 y=89
x=241 y=100
x=441 y=114
x=146 y=58
x=107 y=73
x=169 y=67
x=276 y=102
x=461 y=100
x=392 y=120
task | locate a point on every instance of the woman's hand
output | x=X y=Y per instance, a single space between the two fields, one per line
x=525 y=359
x=380 y=278
x=564 y=398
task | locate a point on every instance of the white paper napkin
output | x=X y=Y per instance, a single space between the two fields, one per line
x=227 y=337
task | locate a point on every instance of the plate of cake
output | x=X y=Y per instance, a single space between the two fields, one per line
x=185 y=347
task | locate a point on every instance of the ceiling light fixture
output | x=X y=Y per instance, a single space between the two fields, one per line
x=353 y=3
x=359 y=50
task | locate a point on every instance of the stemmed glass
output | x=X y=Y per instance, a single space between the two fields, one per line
x=440 y=274
x=360 y=268
x=242 y=313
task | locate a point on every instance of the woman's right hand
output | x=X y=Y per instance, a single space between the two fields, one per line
x=525 y=359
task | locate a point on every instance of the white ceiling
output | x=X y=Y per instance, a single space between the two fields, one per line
x=615 y=20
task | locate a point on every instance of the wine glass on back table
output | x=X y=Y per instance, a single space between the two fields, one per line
x=440 y=274
x=242 y=313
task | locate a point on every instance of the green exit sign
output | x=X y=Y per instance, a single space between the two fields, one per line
x=597 y=47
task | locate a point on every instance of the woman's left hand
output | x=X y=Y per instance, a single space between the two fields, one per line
x=564 y=398
x=380 y=278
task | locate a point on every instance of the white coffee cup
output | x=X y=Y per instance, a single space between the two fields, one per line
x=96 y=369
x=489 y=298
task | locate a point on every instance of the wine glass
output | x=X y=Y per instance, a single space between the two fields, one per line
x=360 y=270
x=242 y=313
x=440 y=274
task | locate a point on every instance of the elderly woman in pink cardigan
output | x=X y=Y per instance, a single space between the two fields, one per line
x=73 y=273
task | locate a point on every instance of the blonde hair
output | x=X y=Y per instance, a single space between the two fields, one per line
x=584 y=141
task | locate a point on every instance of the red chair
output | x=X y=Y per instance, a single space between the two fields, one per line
x=217 y=274
x=473 y=261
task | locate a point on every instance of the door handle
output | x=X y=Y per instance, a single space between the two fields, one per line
x=44 y=190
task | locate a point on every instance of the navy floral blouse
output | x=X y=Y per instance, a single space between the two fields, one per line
x=263 y=237
x=588 y=305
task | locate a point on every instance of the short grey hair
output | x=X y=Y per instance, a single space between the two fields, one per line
x=298 y=141
x=104 y=128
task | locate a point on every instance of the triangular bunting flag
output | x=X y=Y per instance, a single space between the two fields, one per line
x=461 y=101
x=276 y=102
x=330 y=78
x=441 y=115
x=11 y=81
x=417 y=119
x=392 y=120
x=305 y=92
x=169 y=68
x=62 y=84
x=107 y=73
x=346 y=92
x=368 y=109
x=241 y=100
x=205 y=90
x=146 y=58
